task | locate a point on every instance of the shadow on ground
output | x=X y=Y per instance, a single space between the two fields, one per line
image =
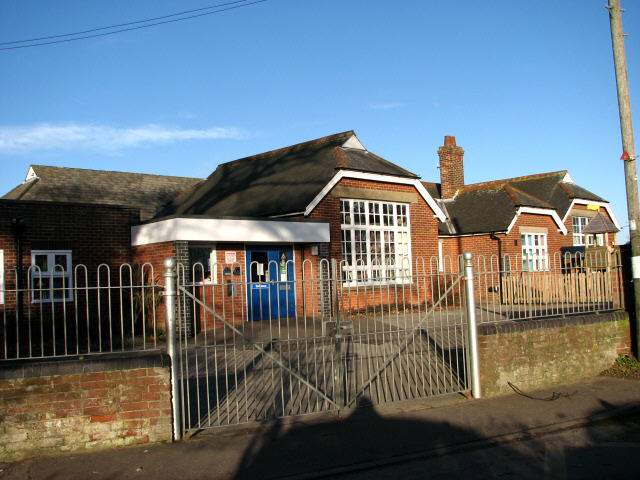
x=393 y=448
x=389 y=447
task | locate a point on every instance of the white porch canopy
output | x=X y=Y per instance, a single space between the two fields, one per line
x=229 y=230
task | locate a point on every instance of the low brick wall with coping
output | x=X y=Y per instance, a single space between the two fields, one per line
x=544 y=352
x=83 y=403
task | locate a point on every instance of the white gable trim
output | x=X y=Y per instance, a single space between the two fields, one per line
x=31 y=175
x=605 y=205
x=539 y=211
x=354 y=143
x=567 y=178
x=229 y=230
x=375 y=177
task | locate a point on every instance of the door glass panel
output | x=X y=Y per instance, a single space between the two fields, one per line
x=258 y=266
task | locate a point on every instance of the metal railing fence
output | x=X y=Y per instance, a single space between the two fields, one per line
x=247 y=354
x=569 y=284
x=86 y=311
x=116 y=309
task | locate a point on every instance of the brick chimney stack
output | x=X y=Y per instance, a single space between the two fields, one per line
x=451 y=167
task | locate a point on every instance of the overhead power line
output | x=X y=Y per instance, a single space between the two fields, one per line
x=61 y=38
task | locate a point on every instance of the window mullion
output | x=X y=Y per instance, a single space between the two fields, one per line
x=367 y=235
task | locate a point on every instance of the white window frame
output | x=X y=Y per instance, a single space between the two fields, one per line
x=53 y=272
x=535 y=255
x=394 y=257
x=584 y=239
x=1 y=277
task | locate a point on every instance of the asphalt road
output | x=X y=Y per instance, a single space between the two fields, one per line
x=604 y=450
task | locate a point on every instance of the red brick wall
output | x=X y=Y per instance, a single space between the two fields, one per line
x=51 y=414
x=154 y=254
x=94 y=233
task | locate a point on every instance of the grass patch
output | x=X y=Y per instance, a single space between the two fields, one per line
x=625 y=366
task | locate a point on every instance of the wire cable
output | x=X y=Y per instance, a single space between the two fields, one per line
x=244 y=3
x=122 y=24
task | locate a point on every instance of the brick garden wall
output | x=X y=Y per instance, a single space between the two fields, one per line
x=101 y=402
x=540 y=353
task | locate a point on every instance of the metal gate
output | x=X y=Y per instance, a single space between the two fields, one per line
x=347 y=342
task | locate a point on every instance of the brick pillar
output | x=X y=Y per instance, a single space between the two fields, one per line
x=451 y=167
x=182 y=258
x=325 y=284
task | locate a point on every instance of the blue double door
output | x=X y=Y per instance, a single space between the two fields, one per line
x=270 y=289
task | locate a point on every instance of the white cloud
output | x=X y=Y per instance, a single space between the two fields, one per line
x=28 y=138
x=385 y=106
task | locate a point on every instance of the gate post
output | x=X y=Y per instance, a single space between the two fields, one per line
x=170 y=294
x=471 y=323
x=338 y=365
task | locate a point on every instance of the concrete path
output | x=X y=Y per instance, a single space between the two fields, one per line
x=362 y=440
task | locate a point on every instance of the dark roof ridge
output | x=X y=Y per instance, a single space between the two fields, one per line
x=257 y=156
x=111 y=171
x=498 y=183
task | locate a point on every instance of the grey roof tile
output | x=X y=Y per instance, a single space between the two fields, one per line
x=147 y=192
x=278 y=182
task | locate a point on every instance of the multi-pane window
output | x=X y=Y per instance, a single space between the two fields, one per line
x=50 y=275
x=375 y=242
x=579 y=238
x=534 y=252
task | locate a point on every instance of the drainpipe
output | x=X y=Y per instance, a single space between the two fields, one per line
x=494 y=236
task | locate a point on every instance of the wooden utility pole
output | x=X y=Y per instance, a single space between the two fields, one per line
x=628 y=155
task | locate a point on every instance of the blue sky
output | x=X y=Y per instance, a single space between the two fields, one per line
x=525 y=86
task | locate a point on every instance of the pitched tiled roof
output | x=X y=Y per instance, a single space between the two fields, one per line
x=278 y=182
x=600 y=224
x=149 y=193
x=490 y=206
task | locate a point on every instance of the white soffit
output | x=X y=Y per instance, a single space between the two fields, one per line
x=376 y=177
x=353 y=142
x=604 y=205
x=229 y=230
x=539 y=211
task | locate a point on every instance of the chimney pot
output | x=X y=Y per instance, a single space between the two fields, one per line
x=449 y=141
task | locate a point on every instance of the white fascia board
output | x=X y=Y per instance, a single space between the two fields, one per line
x=376 y=177
x=539 y=211
x=229 y=230
x=604 y=205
